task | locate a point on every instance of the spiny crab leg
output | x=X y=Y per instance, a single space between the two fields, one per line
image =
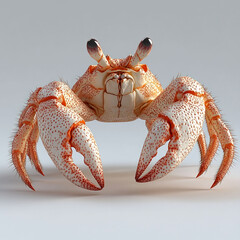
x=217 y=127
x=20 y=142
x=32 y=148
x=202 y=145
x=211 y=150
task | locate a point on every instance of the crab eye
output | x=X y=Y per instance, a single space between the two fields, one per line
x=143 y=50
x=95 y=51
x=92 y=45
x=147 y=42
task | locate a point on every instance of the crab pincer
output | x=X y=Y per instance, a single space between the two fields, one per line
x=177 y=125
x=61 y=128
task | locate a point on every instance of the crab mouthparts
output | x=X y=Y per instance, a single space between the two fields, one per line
x=119 y=84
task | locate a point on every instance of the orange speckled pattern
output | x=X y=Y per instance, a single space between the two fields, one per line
x=118 y=90
x=89 y=91
x=184 y=118
x=151 y=87
x=61 y=127
x=184 y=104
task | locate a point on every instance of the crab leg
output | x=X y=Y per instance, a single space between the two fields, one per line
x=211 y=150
x=202 y=145
x=214 y=121
x=20 y=142
x=32 y=148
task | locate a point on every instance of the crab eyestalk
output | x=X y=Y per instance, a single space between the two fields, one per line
x=144 y=48
x=95 y=51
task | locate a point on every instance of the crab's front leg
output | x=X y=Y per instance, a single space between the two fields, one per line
x=61 y=120
x=177 y=115
x=178 y=118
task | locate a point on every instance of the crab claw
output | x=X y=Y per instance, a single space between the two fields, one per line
x=179 y=126
x=82 y=140
x=158 y=135
x=60 y=129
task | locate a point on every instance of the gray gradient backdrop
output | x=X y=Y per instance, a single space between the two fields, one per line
x=42 y=41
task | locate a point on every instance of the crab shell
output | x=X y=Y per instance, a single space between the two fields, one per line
x=118 y=89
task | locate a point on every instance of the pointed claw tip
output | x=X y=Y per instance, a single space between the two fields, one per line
x=214 y=184
x=140 y=170
x=91 y=186
x=40 y=171
x=30 y=186
x=98 y=177
x=143 y=179
x=150 y=176
x=101 y=184
x=137 y=176
x=201 y=171
x=96 y=188
x=199 y=174
x=136 y=179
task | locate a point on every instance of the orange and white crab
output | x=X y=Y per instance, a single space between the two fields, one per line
x=119 y=90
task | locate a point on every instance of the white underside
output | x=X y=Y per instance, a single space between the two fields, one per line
x=118 y=108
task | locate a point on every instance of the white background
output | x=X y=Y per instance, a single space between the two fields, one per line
x=42 y=41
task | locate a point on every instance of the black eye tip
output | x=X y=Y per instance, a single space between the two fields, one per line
x=147 y=42
x=92 y=44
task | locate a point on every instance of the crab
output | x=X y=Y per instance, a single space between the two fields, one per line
x=120 y=90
